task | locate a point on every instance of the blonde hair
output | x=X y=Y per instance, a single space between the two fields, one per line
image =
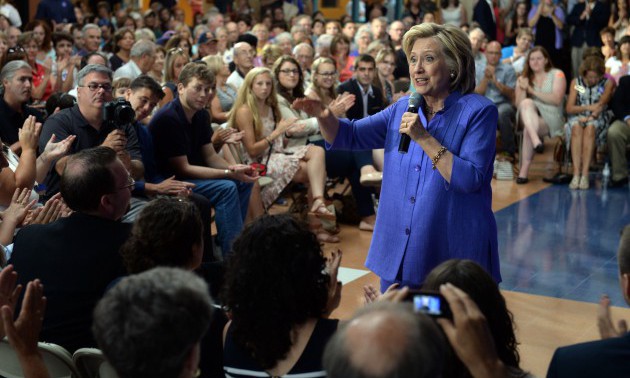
x=214 y=62
x=270 y=52
x=456 y=48
x=169 y=63
x=246 y=97
x=332 y=92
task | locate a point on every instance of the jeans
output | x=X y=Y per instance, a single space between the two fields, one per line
x=506 y=115
x=229 y=199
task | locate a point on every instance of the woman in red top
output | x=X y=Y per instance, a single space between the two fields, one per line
x=340 y=51
x=42 y=79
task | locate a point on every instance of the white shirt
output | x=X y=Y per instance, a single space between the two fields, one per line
x=235 y=79
x=129 y=69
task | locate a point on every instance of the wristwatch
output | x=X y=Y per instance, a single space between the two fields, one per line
x=226 y=172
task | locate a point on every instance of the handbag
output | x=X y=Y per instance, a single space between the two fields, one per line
x=260 y=167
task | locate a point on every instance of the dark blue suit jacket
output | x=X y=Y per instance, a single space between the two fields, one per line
x=608 y=358
x=587 y=30
x=375 y=101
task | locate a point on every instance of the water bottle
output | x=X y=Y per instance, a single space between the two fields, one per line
x=605 y=175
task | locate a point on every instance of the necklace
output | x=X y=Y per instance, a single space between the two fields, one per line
x=429 y=111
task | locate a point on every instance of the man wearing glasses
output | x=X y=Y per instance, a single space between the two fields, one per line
x=85 y=121
x=77 y=256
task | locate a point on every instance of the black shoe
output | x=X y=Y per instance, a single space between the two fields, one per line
x=618 y=183
x=539 y=148
x=522 y=180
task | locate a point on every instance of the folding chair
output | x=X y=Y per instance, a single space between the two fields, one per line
x=58 y=361
x=91 y=363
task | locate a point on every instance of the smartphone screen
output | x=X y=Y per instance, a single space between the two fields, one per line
x=429 y=303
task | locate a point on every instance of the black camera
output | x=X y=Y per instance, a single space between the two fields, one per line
x=118 y=112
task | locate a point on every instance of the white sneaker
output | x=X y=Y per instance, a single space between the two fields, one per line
x=503 y=170
x=575 y=183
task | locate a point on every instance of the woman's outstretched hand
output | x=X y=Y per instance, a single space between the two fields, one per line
x=314 y=108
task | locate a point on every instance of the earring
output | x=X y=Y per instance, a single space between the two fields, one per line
x=452 y=74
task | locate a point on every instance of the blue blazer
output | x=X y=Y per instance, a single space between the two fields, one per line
x=422 y=219
x=608 y=358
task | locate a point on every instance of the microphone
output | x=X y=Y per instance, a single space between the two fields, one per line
x=414 y=104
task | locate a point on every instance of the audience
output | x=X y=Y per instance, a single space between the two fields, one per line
x=151 y=324
x=141 y=59
x=85 y=122
x=619 y=134
x=587 y=107
x=77 y=257
x=496 y=81
x=539 y=96
x=387 y=340
x=17 y=84
x=183 y=147
x=279 y=290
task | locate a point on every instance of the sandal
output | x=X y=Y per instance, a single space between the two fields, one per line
x=321 y=211
x=365 y=226
x=322 y=235
x=325 y=237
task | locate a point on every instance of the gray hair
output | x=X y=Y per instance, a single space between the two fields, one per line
x=142 y=47
x=297 y=28
x=88 y=27
x=409 y=345
x=148 y=323
x=303 y=45
x=364 y=29
x=324 y=41
x=144 y=34
x=90 y=68
x=9 y=69
x=284 y=36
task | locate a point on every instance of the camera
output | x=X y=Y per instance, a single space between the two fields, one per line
x=430 y=303
x=118 y=112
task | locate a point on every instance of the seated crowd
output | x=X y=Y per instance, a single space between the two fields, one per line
x=143 y=131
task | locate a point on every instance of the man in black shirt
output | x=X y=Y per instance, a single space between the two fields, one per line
x=85 y=120
x=182 y=138
x=17 y=80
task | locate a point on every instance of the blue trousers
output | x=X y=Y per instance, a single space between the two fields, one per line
x=230 y=200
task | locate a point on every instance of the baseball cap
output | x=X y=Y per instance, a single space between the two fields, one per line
x=206 y=37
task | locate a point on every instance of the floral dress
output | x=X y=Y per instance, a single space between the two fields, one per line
x=282 y=165
x=587 y=96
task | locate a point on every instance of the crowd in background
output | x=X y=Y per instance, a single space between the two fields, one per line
x=212 y=114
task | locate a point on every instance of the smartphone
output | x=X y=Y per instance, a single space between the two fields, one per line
x=430 y=303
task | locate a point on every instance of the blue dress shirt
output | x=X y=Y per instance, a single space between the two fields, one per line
x=422 y=219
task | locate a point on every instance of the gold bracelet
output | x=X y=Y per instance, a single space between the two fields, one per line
x=437 y=157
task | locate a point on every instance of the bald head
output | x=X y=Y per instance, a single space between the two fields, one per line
x=493 y=53
x=386 y=340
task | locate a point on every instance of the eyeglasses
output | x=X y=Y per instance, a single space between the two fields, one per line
x=290 y=71
x=16 y=49
x=130 y=183
x=327 y=74
x=174 y=50
x=93 y=87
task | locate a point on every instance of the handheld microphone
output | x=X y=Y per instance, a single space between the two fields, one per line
x=414 y=104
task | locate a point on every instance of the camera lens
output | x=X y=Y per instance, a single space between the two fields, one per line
x=125 y=114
